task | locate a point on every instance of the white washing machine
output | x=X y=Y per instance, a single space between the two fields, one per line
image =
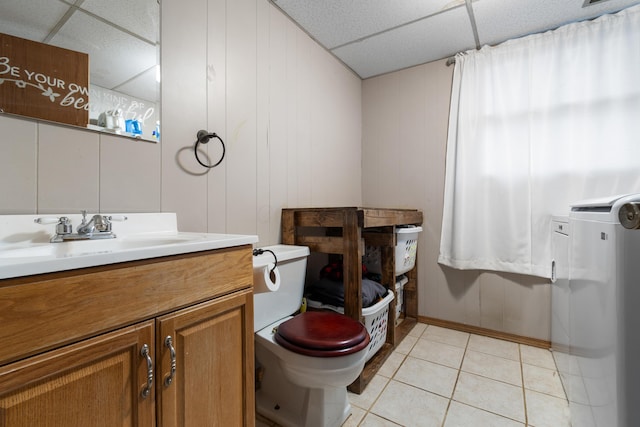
x=604 y=317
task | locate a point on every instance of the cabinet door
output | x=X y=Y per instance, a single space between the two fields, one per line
x=213 y=384
x=96 y=382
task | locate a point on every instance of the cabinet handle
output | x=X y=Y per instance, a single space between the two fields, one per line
x=168 y=342
x=147 y=389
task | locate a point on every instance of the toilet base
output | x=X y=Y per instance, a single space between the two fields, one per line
x=294 y=414
x=291 y=405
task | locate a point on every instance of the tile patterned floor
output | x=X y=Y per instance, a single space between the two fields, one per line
x=444 y=378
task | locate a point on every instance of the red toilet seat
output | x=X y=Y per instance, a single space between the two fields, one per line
x=322 y=334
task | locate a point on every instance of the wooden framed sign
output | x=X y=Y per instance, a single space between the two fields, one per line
x=43 y=81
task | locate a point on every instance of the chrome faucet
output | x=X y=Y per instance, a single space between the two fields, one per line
x=99 y=223
x=98 y=227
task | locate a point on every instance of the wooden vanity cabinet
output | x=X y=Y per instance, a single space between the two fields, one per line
x=83 y=363
x=96 y=382
x=212 y=382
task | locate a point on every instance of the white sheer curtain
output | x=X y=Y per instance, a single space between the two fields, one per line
x=535 y=124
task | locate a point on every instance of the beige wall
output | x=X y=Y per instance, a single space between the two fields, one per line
x=282 y=104
x=46 y=168
x=293 y=119
x=288 y=111
x=404 y=133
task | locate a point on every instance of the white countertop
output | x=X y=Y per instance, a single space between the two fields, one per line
x=25 y=248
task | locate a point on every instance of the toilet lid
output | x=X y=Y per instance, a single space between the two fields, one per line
x=322 y=334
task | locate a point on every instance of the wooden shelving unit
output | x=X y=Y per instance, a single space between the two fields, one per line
x=345 y=231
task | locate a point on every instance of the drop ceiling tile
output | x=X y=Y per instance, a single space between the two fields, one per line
x=144 y=86
x=115 y=56
x=427 y=40
x=336 y=22
x=500 y=20
x=32 y=19
x=139 y=17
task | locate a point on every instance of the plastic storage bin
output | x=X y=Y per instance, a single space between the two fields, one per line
x=376 y=320
x=405 y=251
x=400 y=296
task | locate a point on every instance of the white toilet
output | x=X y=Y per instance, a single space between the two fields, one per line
x=306 y=361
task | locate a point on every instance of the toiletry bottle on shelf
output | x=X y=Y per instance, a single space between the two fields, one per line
x=156 y=132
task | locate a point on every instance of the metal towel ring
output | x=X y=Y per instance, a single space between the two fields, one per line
x=202 y=138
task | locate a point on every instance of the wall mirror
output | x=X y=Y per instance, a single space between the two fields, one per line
x=122 y=41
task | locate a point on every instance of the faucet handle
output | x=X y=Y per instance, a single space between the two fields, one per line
x=47 y=220
x=64 y=226
x=63 y=223
x=103 y=222
x=84 y=216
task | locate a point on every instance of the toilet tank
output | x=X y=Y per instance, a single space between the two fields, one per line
x=269 y=307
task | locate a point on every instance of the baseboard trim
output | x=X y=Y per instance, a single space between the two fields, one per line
x=534 y=342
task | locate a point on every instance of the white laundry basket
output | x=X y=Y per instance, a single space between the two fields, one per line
x=376 y=320
x=405 y=251
x=401 y=281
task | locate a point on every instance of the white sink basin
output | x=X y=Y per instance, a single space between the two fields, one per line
x=80 y=247
x=25 y=248
x=151 y=240
x=26 y=252
x=128 y=242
